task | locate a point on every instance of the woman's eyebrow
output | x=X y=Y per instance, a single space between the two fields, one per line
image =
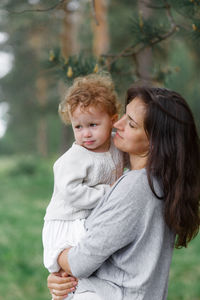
x=132 y=120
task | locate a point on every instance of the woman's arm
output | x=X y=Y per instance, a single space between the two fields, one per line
x=112 y=225
x=108 y=218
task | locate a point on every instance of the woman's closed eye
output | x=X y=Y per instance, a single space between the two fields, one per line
x=131 y=124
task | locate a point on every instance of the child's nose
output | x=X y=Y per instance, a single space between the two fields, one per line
x=87 y=132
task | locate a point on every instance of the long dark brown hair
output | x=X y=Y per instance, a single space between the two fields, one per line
x=174 y=158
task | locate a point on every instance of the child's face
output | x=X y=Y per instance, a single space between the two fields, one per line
x=92 y=128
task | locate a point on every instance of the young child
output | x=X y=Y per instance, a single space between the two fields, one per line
x=84 y=173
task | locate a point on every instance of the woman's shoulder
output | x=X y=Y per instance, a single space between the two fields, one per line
x=135 y=182
x=134 y=176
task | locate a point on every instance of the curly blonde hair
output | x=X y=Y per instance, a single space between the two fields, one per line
x=92 y=90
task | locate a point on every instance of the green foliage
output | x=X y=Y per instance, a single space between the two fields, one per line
x=187 y=8
x=146 y=31
x=27 y=166
x=23 y=202
x=166 y=22
x=75 y=66
x=195 y=34
x=24 y=167
x=184 y=75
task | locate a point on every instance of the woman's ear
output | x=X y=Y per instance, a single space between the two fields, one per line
x=114 y=118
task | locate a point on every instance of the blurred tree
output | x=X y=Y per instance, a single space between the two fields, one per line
x=101 y=39
x=41 y=89
x=35 y=41
x=71 y=20
x=143 y=59
x=27 y=87
x=153 y=40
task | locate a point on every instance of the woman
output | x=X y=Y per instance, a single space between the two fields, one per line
x=131 y=234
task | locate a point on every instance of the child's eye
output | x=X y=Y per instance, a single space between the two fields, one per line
x=93 y=125
x=78 y=126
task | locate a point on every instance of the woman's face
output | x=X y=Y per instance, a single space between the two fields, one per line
x=131 y=136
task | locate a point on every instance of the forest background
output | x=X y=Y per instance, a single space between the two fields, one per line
x=48 y=44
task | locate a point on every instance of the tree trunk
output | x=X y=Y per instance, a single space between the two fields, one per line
x=36 y=42
x=69 y=34
x=144 y=58
x=69 y=46
x=42 y=142
x=101 y=39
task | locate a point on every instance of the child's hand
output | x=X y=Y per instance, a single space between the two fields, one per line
x=61 y=284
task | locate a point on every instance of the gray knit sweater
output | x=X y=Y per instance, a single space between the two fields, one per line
x=127 y=251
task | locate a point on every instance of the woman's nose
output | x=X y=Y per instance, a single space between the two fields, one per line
x=120 y=123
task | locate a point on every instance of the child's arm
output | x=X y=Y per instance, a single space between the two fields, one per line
x=71 y=180
x=63 y=260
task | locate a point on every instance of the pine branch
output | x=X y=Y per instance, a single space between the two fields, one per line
x=153 y=6
x=60 y=3
x=134 y=50
x=187 y=8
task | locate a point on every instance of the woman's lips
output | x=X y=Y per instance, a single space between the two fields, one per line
x=118 y=135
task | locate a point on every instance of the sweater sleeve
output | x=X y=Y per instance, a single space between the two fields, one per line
x=70 y=177
x=111 y=226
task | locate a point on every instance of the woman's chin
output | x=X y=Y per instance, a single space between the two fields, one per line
x=118 y=144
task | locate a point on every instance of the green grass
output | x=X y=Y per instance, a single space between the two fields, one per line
x=25 y=191
x=25 y=188
x=184 y=281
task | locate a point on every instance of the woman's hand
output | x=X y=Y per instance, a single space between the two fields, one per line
x=61 y=284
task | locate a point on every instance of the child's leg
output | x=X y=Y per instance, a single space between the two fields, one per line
x=58 y=235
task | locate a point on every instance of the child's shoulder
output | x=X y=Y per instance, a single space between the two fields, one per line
x=74 y=154
x=76 y=151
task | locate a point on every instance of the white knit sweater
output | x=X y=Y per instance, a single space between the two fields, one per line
x=81 y=178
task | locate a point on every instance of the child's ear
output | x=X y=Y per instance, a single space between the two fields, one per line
x=114 y=118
